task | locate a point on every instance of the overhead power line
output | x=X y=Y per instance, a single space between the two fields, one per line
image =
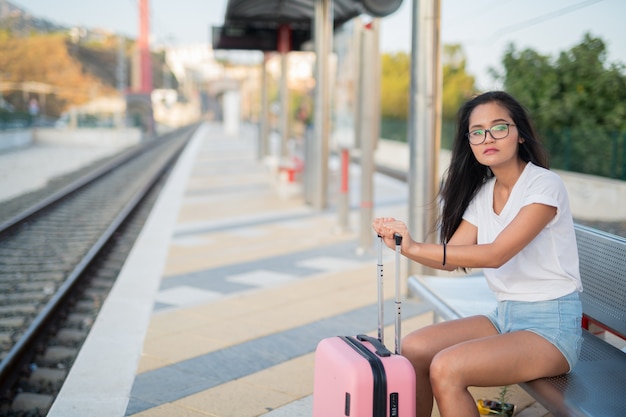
x=539 y=19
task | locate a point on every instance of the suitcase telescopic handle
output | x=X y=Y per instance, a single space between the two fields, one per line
x=398 y=300
x=398 y=239
x=379 y=279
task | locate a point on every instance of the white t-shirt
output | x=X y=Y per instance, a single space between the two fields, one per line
x=548 y=267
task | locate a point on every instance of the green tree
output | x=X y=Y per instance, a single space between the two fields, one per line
x=395 y=81
x=458 y=85
x=394 y=85
x=578 y=102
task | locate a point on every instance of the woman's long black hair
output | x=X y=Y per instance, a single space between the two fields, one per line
x=466 y=175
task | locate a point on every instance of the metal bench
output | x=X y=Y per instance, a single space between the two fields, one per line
x=597 y=384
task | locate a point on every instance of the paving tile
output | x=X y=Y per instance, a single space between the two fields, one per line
x=236 y=399
x=185 y=295
x=293 y=377
x=261 y=278
x=172 y=348
x=173 y=410
x=300 y=408
x=329 y=263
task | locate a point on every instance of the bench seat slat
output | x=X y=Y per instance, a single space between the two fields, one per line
x=454 y=298
x=596 y=386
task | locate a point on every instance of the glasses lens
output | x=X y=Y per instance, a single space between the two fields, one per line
x=476 y=136
x=499 y=131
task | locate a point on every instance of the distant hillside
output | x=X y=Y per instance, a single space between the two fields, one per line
x=21 y=23
x=46 y=59
x=80 y=65
x=33 y=49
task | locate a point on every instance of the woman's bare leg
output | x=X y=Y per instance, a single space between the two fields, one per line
x=490 y=361
x=422 y=345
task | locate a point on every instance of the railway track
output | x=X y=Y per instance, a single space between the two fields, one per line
x=61 y=250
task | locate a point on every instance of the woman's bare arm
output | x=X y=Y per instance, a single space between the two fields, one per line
x=462 y=249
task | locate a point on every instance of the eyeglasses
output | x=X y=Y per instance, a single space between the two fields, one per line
x=499 y=131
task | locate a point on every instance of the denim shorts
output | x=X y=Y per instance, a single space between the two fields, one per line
x=558 y=321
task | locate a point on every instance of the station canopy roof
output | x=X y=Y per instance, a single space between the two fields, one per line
x=296 y=12
x=253 y=24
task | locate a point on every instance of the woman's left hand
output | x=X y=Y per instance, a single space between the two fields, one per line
x=387 y=227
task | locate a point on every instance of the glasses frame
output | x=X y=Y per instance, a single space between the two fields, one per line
x=508 y=130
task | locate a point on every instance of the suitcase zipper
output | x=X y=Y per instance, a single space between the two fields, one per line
x=378 y=373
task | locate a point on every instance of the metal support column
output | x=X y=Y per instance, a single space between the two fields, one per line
x=369 y=121
x=323 y=25
x=424 y=125
x=284 y=107
x=264 y=116
x=284 y=46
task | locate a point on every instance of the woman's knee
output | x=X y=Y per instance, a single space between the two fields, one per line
x=444 y=372
x=417 y=350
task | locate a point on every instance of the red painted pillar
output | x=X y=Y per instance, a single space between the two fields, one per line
x=284 y=39
x=343 y=200
x=143 y=43
x=345 y=167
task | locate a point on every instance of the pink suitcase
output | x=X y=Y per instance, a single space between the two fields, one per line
x=358 y=376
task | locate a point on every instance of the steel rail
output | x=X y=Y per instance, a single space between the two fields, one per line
x=18 y=355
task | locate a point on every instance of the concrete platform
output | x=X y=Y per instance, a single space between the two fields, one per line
x=228 y=290
x=29 y=168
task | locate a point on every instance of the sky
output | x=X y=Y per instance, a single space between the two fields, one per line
x=484 y=28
